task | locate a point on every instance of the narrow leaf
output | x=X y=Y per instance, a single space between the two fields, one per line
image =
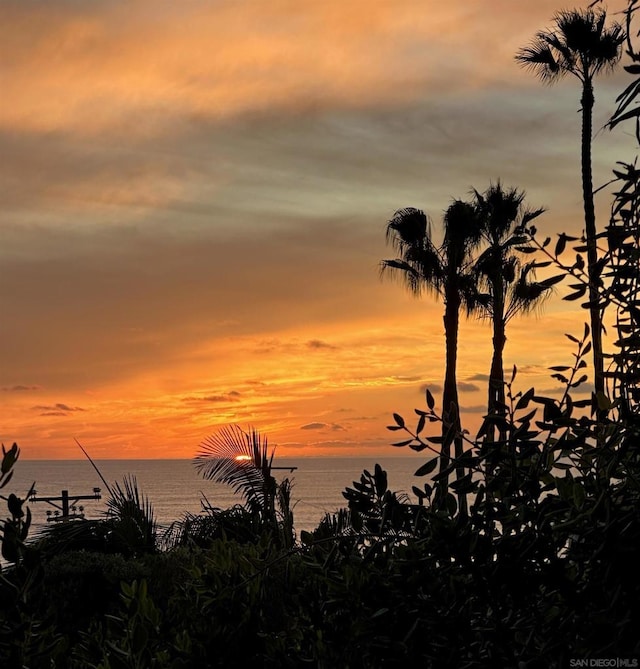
x=430 y=400
x=427 y=467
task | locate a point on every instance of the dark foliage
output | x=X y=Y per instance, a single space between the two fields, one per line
x=242 y=460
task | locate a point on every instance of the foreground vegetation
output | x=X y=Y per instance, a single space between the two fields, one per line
x=527 y=557
x=542 y=569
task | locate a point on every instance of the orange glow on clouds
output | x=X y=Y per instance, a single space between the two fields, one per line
x=195 y=196
x=129 y=68
x=327 y=396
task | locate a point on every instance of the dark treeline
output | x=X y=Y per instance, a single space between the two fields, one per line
x=523 y=546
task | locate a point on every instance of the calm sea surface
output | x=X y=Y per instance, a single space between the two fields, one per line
x=175 y=487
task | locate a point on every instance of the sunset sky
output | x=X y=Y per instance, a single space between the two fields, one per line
x=194 y=200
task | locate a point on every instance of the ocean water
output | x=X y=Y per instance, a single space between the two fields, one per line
x=174 y=487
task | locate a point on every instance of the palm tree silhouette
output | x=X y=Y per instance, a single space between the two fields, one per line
x=581 y=45
x=445 y=271
x=506 y=286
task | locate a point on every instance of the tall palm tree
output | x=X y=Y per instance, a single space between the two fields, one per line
x=507 y=287
x=580 y=44
x=445 y=271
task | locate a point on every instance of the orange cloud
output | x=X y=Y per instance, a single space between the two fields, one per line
x=195 y=203
x=132 y=68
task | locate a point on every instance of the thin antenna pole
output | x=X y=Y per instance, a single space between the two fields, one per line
x=95 y=467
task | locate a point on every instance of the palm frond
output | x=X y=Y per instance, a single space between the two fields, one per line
x=508 y=285
x=127 y=500
x=132 y=517
x=525 y=295
x=420 y=265
x=580 y=29
x=478 y=304
x=580 y=43
x=239 y=459
x=608 y=52
x=565 y=56
x=408 y=227
x=462 y=232
x=404 y=271
x=500 y=211
x=538 y=57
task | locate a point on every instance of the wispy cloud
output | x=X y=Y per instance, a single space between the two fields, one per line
x=407 y=379
x=105 y=67
x=318 y=344
x=233 y=396
x=475 y=408
x=465 y=387
x=432 y=387
x=58 y=409
x=323 y=426
x=478 y=377
x=20 y=388
x=314 y=426
x=583 y=389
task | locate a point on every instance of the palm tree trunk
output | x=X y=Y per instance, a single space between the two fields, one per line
x=450 y=391
x=496 y=398
x=496 y=375
x=451 y=428
x=590 y=234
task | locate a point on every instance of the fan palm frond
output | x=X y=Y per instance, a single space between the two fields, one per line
x=579 y=44
x=538 y=57
x=241 y=460
x=500 y=210
x=420 y=265
x=584 y=33
x=498 y=270
x=408 y=227
x=462 y=234
x=526 y=295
